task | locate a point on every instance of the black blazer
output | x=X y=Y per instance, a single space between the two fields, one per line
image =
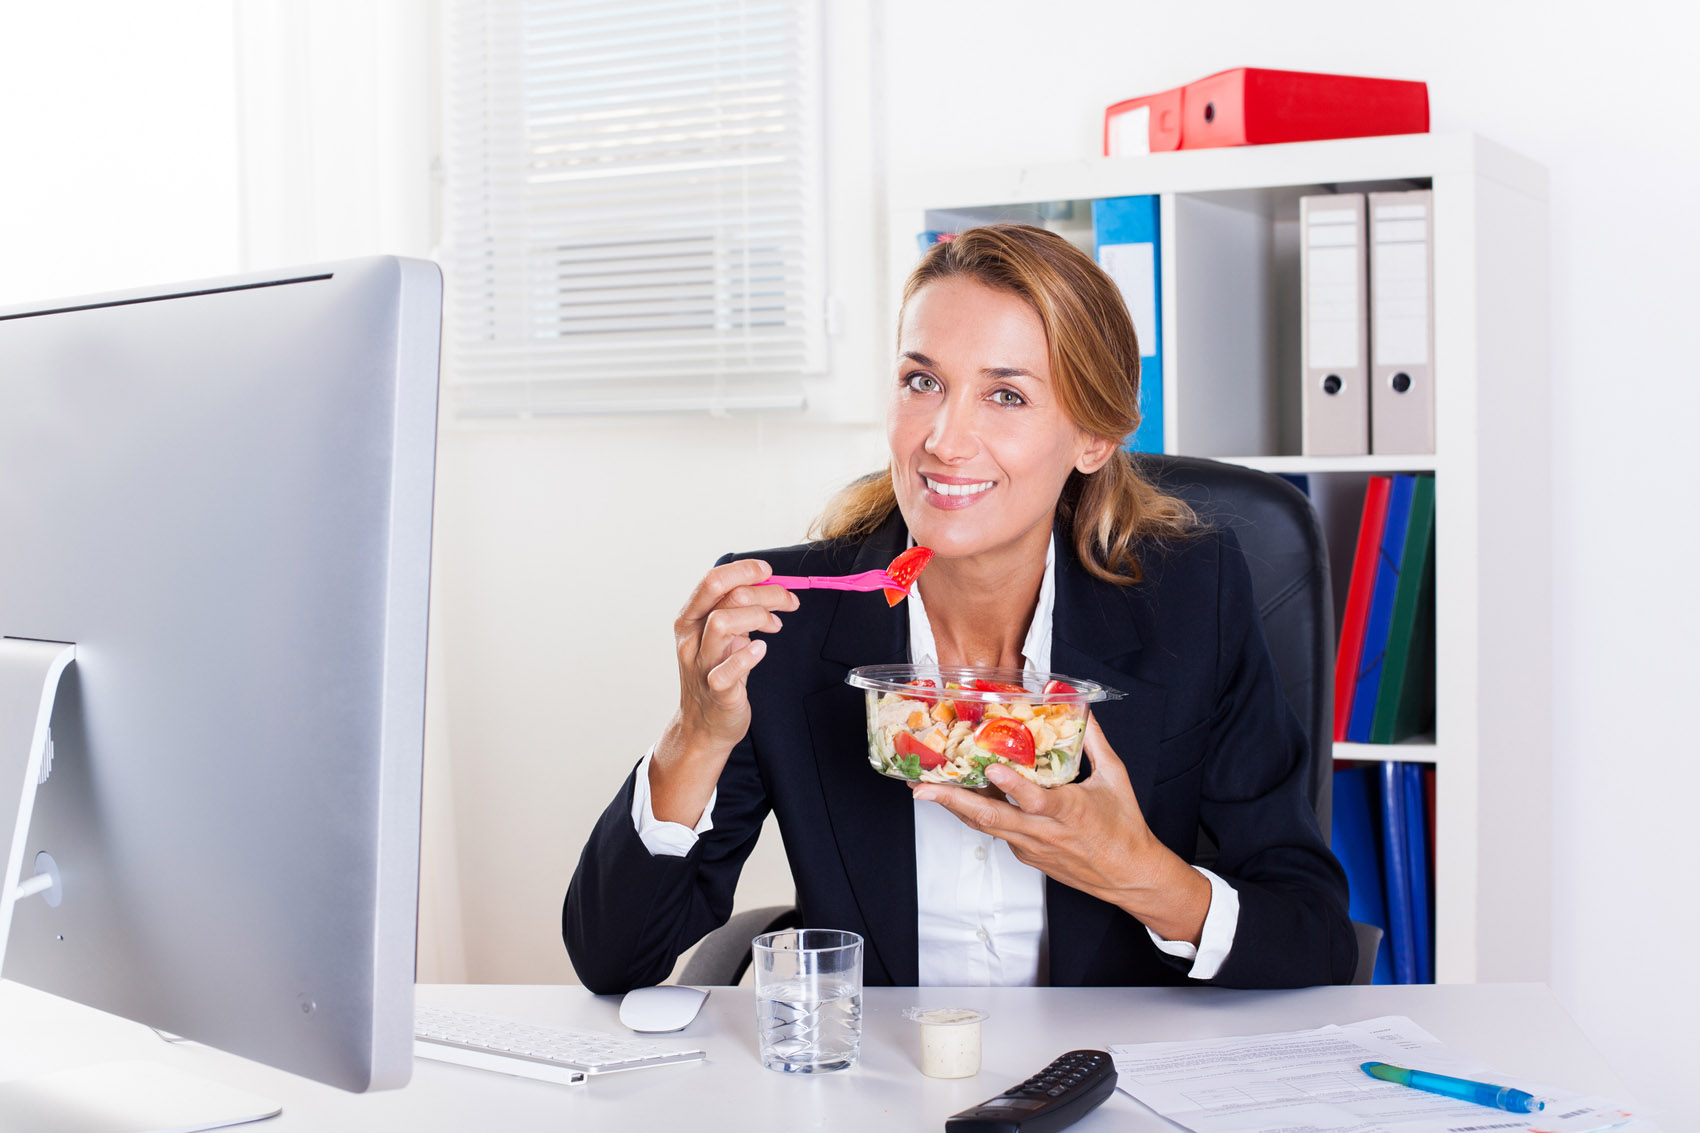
x=1207 y=737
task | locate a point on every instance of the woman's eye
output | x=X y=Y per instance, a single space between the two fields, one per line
x=922 y=382
x=1008 y=397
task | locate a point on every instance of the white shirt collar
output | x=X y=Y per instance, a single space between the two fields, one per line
x=1035 y=651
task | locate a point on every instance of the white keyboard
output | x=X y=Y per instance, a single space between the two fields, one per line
x=532 y=1050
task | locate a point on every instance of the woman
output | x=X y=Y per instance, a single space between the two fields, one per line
x=1015 y=387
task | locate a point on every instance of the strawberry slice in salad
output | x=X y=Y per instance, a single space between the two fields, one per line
x=903 y=570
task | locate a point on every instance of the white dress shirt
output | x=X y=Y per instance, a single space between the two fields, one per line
x=982 y=911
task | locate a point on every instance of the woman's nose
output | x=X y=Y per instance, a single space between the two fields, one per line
x=952 y=437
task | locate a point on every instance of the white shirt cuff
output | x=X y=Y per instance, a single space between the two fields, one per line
x=668 y=839
x=1218 y=934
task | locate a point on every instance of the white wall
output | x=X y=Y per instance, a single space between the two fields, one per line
x=1604 y=102
x=565 y=550
x=570 y=550
x=117 y=145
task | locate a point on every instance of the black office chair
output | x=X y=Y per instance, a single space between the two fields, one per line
x=1282 y=539
x=1284 y=548
x=1285 y=551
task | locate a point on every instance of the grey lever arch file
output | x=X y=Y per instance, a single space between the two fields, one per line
x=1401 y=304
x=1334 y=330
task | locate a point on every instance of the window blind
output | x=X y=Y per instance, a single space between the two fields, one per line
x=634 y=205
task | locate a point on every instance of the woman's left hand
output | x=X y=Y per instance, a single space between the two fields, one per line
x=1089 y=835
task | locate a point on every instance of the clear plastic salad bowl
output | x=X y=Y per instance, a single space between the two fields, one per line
x=933 y=724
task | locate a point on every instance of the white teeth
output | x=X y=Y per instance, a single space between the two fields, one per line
x=957 y=489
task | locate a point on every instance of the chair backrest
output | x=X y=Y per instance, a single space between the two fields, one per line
x=1284 y=547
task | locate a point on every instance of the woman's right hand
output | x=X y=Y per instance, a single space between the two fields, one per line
x=716 y=654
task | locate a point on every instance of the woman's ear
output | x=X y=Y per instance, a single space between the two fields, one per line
x=1095 y=455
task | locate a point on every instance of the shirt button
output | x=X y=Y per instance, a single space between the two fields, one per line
x=979 y=853
x=985 y=937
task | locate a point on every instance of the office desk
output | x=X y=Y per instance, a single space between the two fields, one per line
x=1518 y=1027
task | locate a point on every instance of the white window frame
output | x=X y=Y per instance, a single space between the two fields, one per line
x=567 y=377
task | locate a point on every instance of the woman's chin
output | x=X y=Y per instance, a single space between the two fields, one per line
x=950 y=538
x=969 y=533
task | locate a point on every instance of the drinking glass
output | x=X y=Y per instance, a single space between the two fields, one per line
x=808 y=999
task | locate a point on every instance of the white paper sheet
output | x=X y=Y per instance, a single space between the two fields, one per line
x=1311 y=1081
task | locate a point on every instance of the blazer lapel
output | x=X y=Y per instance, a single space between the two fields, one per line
x=872 y=817
x=1095 y=635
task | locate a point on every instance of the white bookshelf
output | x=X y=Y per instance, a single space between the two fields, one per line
x=1231 y=391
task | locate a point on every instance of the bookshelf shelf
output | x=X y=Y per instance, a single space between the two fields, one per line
x=1230 y=316
x=1411 y=751
x=1330 y=464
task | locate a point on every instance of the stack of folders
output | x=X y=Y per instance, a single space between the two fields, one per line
x=1257 y=106
x=1384 y=693
x=1367 y=328
x=1384 y=837
x=1384 y=668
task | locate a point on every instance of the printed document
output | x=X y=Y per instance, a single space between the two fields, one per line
x=1311 y=1081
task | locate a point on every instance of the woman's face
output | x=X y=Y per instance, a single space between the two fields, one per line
x=980 y=444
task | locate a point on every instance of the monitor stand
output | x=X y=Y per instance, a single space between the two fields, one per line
x=108 y=1097
x=29 y=680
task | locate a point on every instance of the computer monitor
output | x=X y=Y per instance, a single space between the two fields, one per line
x=220 y=494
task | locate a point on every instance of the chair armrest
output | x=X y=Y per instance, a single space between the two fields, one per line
x=724 y=954
x=1369 y=943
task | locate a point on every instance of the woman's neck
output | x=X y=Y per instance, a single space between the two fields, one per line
x=980 y=608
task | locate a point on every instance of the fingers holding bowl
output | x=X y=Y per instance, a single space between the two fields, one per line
x=976 y=810
x=1022 y=791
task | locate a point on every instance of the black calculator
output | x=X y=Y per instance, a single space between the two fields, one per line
x=1054 y=1098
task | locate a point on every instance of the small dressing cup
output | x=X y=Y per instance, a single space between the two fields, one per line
x=950 y=1040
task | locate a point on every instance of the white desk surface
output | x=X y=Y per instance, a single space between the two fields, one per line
x=1517 y=1027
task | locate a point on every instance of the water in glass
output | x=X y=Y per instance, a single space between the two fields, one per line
x=809 y=1026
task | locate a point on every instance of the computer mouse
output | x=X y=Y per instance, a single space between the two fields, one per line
x=665 y=1007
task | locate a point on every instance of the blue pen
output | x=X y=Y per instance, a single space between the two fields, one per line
x=1499 y=1097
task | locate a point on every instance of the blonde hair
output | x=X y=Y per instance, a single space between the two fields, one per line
x=1094 y=362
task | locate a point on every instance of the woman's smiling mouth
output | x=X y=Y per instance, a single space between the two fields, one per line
x=955 y=492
